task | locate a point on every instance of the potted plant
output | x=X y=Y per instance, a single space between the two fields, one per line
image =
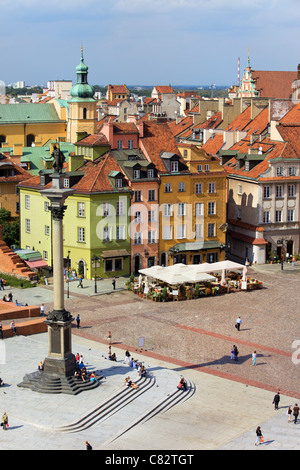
x=197 y=290
x=164 y=294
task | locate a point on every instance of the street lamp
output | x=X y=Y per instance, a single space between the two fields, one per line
x=94 y=260
x=68 y=274
x=281 y=242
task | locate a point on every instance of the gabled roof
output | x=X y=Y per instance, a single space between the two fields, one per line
x=292 y=116
x=274 y=84
x=241 y=121
x=164 y=89
x=158 y=138
x=93 y=140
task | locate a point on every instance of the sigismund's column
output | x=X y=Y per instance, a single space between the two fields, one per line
x=60 y=360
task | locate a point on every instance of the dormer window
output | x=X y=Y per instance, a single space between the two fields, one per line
x=119 y=182
x=150 y=173
x=136 y=174
x=279 y=171
x=66 y=183
x=174 y=166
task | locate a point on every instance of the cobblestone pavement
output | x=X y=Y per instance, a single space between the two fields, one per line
x=199 y=333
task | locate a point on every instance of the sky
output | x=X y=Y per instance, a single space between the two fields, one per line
x=147 y=42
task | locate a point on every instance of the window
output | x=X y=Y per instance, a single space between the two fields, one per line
x=120 y=235
x=27 y=225
x=27 y=202
x=174 y=166
x=81 y=234
x=291 y=190
x=106 y=209
x=150 y=173
x=137 y=218
x=211 y=188
x=120 y=144
x=46 y=206
x=180 y=231
x=130 y=144
x=181 y=208
x=292 y=171
x=120 y=208
x=167 y=210
x=279 y=190
x=198 y=231
x=239 y=214
x=119 y=183
x=151 y=236
x=247 y=165
x=118 y=264
x=168 y=232
x=168 y=187
x=291 y=215
x=45 y=255
x=267 y=191
x=240 y=190
x=211 y=230
x=106 y=233
x=198 y=208
x=108 y=265
x=84 y=113
x=47 y=230
x=151 y=216
x=137 y=238
x=198 y=188
x=80 y=209
x=151 y=195
x=199 y=168
x=66 y=183
x=278 y=216
x=206 y=167
x=279 y=171
x=137 y=196
x=136 y=174
x=211 y=208
x=266 y=217
x=181 y=187
x=185 y=153
x=17 y=207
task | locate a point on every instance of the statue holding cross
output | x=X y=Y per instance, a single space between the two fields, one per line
x=59 y=159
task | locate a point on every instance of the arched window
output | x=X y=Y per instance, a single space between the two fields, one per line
x=84 y=113
x=30 y=140
x=2 y=139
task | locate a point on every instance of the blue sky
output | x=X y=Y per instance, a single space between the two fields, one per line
x=147 y=42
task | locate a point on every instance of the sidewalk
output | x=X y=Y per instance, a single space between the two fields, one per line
x=220 y=415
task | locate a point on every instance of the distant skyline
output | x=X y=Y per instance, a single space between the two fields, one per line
x=147 y=42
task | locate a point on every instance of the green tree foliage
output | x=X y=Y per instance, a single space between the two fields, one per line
x=10 y=228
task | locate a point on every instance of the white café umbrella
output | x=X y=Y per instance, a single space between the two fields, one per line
x=174 y=278
x=152 y=271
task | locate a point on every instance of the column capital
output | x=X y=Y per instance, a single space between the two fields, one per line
x=57 y=212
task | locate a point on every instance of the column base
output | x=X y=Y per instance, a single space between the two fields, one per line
x=62 y=367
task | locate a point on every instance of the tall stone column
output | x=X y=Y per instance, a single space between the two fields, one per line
x=60 y=360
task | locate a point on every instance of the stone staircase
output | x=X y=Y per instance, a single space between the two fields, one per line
x=11 y=263
x=114 y=415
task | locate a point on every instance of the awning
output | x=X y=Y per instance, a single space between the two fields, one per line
x=36 y=264
x=197 y=246
x=115 y=254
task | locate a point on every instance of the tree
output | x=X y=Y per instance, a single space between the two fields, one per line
x=10 y=229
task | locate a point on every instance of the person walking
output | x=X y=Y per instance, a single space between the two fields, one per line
x=289 y=414
x=296 y=412
x=254 y=358
x=2 y=284
x=114 y=283
x=42 y=310
x=236 y=353
x=88 y=446
x=276 y=400
x=232 y=357
x=238 y=323
x=80 y=284
x=78 y=320
x=259 y=436
x=4 y=422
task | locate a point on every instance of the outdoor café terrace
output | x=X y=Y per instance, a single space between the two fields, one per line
x=184 y=282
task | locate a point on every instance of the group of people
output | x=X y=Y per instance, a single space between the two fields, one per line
x=138 y=366
x=234 y=353
x=81 y=371
x=7 y=298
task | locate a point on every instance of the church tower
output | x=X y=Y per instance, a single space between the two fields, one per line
x=82 y=106
x=248 y=88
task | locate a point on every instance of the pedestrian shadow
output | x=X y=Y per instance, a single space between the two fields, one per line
x=224 y=360
x=267 y=443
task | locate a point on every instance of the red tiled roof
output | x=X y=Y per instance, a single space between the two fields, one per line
x=178 y=128
x=293 y=116
x=164 y=89
x=93 y=140
x=241 y=121
x=274 y=84
x=158 y=138
x=214 y=144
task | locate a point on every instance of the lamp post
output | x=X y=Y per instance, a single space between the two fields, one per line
x=281 y=242
x=95 y=259
x=68 y=272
